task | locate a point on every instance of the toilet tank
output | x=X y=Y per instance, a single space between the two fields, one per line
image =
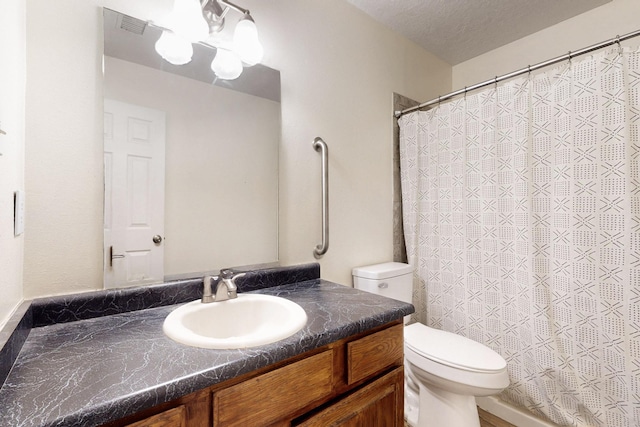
x=390 y=279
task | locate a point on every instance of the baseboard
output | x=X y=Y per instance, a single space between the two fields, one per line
x=511 y=414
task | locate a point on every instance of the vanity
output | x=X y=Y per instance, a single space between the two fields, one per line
x=102 y=359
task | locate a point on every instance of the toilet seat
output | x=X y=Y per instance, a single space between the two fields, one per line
x=451 y=362
x=452 y=350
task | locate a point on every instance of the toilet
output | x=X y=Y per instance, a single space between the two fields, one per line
x=443 y=371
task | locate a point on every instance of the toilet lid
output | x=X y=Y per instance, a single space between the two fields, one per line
x=451 y=349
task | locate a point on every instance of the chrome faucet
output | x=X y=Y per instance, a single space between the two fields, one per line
x=207 y=296
x=225 y=288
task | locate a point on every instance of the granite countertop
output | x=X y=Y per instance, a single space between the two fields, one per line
x=92 y=371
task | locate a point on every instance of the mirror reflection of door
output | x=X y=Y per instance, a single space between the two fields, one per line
x=134 y=164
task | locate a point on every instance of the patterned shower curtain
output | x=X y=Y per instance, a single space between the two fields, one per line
x=521 y=208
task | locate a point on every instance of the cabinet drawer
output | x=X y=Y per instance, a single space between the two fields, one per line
x=267 y=398
x=374 y=353
x=175 y=417
x=378 y=403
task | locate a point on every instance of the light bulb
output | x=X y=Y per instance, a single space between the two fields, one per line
x=246 y=43
x=226 y=65
x=174 y=49
x=188 y=21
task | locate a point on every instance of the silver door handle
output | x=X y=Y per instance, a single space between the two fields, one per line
x=157 y=239
x=112 y=256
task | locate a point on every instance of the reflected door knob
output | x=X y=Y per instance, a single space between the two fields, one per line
x=157 y=239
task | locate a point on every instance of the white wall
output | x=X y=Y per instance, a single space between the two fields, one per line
x=12 y=86
x=64 y=150
x=603 y=23
x=63 y=158
x=221 y=175
x=339 y=69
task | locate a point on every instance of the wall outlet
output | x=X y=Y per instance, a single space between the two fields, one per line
x=18 y=212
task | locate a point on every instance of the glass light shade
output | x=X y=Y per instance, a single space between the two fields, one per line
x=226 y=65
x=188 y=21
x=174 y=49
x=246 y=43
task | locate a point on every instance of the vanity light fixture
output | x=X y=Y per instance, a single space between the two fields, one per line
x=226 y=64
x=202 y=22
x=187 y=21
x=245 y=41
x=174 y=49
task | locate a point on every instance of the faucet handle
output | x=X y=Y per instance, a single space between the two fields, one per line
x=225 y=289
x=226 y=273
x=231 y=284
x=238 y=275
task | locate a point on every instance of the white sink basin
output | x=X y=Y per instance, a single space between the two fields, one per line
x=247 y=321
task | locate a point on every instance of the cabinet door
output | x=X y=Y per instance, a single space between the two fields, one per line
x=377 y=404
x=374 y=353
x=175 y=417
x=274 y=396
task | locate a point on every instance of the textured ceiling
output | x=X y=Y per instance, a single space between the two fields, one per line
x=457 y=30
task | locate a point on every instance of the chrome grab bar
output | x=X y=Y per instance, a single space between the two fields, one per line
x=320 y=145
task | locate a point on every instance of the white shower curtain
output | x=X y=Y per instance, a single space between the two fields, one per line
x=521 y=208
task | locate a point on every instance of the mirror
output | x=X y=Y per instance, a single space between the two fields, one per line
x=221 y=161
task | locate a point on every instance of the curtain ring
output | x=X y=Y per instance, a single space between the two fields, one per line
x=570 y=58
x=495 y=82
x=465 y=92
x=619 y=45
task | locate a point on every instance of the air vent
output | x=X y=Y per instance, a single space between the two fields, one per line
x=133 y=25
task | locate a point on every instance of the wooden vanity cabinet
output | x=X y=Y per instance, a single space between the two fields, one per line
x=379 y=403
x=357 y=381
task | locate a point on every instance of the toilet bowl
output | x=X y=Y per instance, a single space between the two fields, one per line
x=450 y=370
x=443 y=371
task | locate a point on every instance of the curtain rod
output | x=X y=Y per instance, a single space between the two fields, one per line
x=530 y=68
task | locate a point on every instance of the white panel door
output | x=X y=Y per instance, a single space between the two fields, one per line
x=134 y=161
